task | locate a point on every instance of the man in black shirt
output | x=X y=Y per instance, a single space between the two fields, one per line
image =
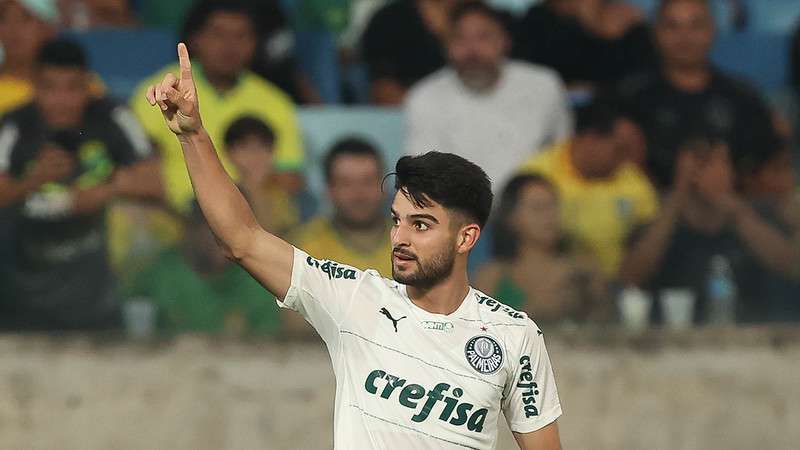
x=403 y=43
x=703 y=219
x=63 y=158
x=589 y=43
x=687 y=96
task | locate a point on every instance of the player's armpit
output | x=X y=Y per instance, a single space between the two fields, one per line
x=546 y=438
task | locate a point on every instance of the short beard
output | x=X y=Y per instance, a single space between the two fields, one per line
x=428 y=274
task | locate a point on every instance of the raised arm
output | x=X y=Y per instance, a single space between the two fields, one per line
x=266 y=257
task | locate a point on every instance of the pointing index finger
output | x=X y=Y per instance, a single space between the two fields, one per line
x=185 y=63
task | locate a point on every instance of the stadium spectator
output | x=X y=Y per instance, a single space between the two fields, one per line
x=588 y=42
x=250 y=145
x=81 y=15
x=687 y=96
x=195 y=288
x=63 y=158
x=403 y=43
x=222 y=35
x=357 y=231
x=704 y=219
x=24 y=27
x=534 y=269
x=490 y=110
x=770 y=184
x=603 y=196
x=274 y=57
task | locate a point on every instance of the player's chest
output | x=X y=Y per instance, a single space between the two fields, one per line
x=403 y=344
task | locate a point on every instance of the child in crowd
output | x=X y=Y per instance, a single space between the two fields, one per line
x=250 y=145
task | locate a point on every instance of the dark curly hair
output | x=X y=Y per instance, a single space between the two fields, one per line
x=450 y=180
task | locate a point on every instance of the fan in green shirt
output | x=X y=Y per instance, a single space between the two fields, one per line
x=196 y=289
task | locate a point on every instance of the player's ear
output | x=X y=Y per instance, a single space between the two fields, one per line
x=468 y=236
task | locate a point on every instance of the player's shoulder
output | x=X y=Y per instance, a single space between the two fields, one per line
x=513 y=326
x=490 y=309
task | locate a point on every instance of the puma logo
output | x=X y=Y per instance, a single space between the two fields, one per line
x=388 y=315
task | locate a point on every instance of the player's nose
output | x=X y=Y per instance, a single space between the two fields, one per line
x=400 y=236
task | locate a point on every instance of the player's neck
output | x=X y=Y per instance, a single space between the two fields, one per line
x=445 y=297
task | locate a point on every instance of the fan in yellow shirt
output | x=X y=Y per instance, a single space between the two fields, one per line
x=357 y=233
x=24 y=27
x=23 y=30
x=603 y=196
x=223 y=39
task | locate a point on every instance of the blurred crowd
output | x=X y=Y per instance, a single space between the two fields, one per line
x=629 y=170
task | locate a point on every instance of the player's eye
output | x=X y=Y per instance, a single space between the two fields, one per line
x=395 y=221
x=421 y=226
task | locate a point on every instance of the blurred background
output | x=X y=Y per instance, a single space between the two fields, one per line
x=643 y=156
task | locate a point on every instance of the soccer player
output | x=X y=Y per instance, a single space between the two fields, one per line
x=422 y=361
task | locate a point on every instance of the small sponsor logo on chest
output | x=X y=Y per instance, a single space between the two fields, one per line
x=447 y=327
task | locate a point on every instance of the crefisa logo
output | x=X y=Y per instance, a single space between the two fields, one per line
x=484 y=354
x=332 y=269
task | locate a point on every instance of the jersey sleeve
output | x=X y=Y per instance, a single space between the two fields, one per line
x=530 y=399
x=322 y=291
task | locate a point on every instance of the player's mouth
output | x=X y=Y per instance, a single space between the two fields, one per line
x=402 y=258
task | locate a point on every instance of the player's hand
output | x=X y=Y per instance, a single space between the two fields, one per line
x=177 y=97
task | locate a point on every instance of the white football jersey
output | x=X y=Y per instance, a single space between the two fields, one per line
x=410 y=379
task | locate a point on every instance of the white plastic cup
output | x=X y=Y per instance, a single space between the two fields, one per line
x=677 y=308
x=634 y=308
x=139 y=317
